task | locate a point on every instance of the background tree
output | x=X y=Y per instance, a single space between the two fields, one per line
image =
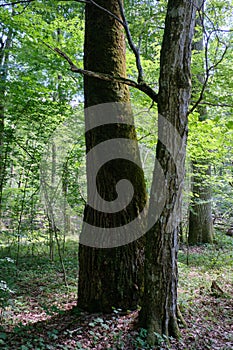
x=5 y=42
x=200 y=213
x=211 y=48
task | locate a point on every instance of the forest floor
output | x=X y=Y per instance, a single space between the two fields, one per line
x=37 y=310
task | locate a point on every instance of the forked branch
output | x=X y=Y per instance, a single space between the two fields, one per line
x=124 y=23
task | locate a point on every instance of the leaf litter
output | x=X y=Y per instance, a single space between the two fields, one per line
x=58 y=324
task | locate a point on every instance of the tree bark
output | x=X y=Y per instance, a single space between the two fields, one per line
x=159 y=308
x=110 y=277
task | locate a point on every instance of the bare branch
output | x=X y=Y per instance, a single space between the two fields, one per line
x=208 y=68
x=135 y=50
x=107 y=77
x=144 y=137
x=205 y=103
x=206 y=80
x=216 y=29
x=140 y=85
x=220 y=60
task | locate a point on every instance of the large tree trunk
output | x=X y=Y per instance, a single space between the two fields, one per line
x=200 y=215
x=109 y=277
x=159 y=308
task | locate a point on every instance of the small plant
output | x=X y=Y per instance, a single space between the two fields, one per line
x=118 y=340
x=140 y=342
x=5 y=295
x=7 y=268
x=3 y=338
x=53 y=334
x=51 y=310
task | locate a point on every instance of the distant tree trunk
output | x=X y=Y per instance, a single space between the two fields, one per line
x=49 y=204
x=159 y=307
x=6 y=41
x=110 y=277
x=200 y=215
x=2 y=167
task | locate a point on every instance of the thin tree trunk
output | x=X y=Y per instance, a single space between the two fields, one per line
x=110 y=277
x=4 y=60
x=159 y=309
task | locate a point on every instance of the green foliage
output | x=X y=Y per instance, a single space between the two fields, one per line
x=40 y=92
x=6 y=292
x=141 y=340
x=146 y=22
x=200 y=266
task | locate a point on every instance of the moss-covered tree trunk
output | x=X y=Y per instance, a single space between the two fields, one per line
x=110 y=277
x=159 y=308
x=200 y=215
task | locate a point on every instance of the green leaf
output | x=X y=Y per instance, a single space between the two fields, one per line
x=229 y=124
x=3 y=335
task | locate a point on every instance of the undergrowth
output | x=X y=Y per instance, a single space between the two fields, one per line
x=38 y=309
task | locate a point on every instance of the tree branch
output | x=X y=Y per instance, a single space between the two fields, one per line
x=141 y=85
x=206 y=81
x=17 y=2
x=208 y=67
x=107 y=77
x=135 y=50
x=124 y=23
x=105 y=10
x=205 y=103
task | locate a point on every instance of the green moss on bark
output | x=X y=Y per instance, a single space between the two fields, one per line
x=110 y=277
